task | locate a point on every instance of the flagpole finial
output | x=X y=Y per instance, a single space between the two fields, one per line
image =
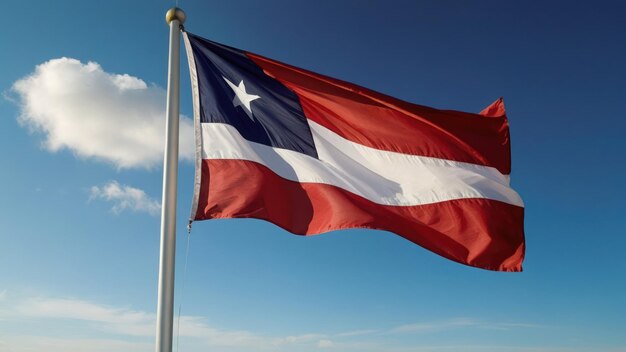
x=175 y=14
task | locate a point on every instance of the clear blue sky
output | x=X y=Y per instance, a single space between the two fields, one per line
x=78 y=261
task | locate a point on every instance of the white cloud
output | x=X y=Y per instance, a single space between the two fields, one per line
x=357 y=333
x=457 y=323
x=95 y=114
x=32 y=343
x=125 y=321
x=116 y=329
x=325 y=344
x=128 y=322
x=435 y=326
x=125 y=197
x=297 y=339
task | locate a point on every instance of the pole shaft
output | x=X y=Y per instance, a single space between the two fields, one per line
x=165 y=305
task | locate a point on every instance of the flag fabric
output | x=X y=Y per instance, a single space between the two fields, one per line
x=314 y=154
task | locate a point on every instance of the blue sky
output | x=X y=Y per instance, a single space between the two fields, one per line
x=79 y=200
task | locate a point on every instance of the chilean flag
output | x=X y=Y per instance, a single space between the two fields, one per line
x=313 y=154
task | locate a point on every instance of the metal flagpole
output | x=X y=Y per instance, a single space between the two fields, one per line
x=175 y=17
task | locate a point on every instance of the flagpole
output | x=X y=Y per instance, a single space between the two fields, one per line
x=174 y=17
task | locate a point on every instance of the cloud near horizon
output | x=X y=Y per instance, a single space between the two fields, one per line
x=120 y=329
x=117 y=118
x=123 y=322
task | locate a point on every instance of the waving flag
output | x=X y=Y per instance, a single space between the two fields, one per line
x=313 y=154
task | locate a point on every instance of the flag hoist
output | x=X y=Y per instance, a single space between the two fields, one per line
x=175 y=17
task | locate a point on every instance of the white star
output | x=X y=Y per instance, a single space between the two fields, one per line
x=242 y=98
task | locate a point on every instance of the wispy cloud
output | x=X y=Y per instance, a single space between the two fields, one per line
x=125 y=197
x=95 y=114
x=325 y=344
x=128 y=322
x=31 y=343
x=357 y=333
x=133 y=330
x=110 y=319
x=435 y=326
x=457 y=323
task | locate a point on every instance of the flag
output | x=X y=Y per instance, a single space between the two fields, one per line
x=314 y=154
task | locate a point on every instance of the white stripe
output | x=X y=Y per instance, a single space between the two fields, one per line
x=195 y=93
x=382 y=177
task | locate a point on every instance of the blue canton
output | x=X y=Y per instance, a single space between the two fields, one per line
x=235 y=91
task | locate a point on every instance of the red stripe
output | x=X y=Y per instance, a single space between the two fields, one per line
x=382 y=122
x=478 y=232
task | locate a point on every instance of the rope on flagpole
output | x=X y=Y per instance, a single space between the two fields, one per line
x=182 y=291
